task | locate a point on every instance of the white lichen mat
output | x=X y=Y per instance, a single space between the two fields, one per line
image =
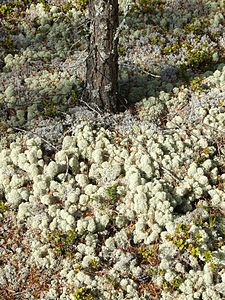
x=116 y=216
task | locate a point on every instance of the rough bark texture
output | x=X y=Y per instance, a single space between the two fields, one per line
x=102 y=63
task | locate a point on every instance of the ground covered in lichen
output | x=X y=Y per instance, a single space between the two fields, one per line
x=125 y=206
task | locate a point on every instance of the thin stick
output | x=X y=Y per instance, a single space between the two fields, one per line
x=30 y=132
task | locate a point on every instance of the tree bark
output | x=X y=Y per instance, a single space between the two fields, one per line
x=102 y=62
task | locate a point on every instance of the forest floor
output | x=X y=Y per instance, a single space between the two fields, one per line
x=102 y=206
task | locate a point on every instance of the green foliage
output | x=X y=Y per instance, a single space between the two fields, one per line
x=3 y=129
x=196 y=84
x=194 y=250
x=156 y=40
x=173 y=48
x=146 y=253
x=112 y=193
x=222 y=103
x=213 y=223
x=111 y=279
x=173 y=284
x=221 y=183
x=77 y=268
x=81 y=4
x=10 y=7
x=202 y=154
x=161 y=271
x=8 y=45
x=150 y=257
x=63 y=243
x=149 y=254
x=49 y=108
x=182 y=237
x=198 y=58
x=66 y=6
x=145 y=6
x=73 y=97
x=5 y=10
x=6 y=40
x=208 y=255
x=82 y=294
x=186 y=241
x=3 y=207
x=195 y=26
x=94 y=264
x=110 y=199
x=121 y=51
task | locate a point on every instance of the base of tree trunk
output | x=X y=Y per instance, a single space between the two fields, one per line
x=102 y=62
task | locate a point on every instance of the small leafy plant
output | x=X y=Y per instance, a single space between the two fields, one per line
x=121 y=51
x=196 y=84
x=63 y=243
x=202 y=154
x=94 y=264
x=145 y=6
x=195 y=26
x=198 y=58
x=191 y=242
x=3 y=207
x=49 y=108
x=82 y=294
x=173 y=284
x=112 y=193
x=173 y=48
x=81 y=4
x=150 y=254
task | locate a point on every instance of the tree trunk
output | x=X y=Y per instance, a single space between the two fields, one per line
x=102 y=62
